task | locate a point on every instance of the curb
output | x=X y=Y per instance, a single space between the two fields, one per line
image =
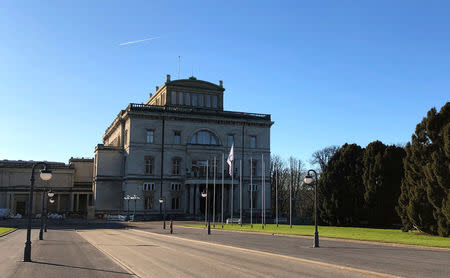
x=7 y=233
x=379 y=243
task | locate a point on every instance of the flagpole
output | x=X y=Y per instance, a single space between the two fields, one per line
x=290 y=195
x=206 y=201
x=232 y=188
x=214 y=196
x=223 y=173
x=251 y=192
x=240 y=193
x=262 y=191
x=276 y=193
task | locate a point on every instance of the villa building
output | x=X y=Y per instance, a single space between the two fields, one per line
x=166 y=149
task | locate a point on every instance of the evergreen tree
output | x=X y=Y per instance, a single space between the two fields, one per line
x=383 y=172
x=424 y=202
x=341 y=190
x=373 y=180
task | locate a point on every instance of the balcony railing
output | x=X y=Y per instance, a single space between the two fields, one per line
x=144 y=107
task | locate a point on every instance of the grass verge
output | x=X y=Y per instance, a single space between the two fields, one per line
x=5 y=230
x=369 y=234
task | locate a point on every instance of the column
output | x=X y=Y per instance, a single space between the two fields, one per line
x=71 y=196
x=78 y=202
x=197 y=200
x=59 y=203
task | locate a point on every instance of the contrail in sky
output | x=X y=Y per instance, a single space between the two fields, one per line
x=148 y=39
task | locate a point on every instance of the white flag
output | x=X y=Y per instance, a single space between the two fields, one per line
x=230 y=160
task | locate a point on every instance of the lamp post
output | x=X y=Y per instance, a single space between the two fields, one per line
x=128 y=198
x=308 y=180
x=45 y=175
x=205 y=195
x=135 y=198
x=44 y=214
x=161 y=201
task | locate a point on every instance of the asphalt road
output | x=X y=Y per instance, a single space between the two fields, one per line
x=389 y=259
x=157 y=255
x=62 y=253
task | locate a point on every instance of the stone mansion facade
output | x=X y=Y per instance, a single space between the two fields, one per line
x=163 y=148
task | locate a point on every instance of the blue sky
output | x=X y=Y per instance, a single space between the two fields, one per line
x=329 y=72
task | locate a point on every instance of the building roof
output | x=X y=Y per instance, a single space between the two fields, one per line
x=192 y=82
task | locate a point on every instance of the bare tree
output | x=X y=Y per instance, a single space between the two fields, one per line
x=322 y=157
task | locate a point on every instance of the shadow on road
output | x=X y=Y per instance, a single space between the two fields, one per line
x=80 y=267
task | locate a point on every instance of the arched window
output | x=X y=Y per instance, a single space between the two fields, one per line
x=204 y=138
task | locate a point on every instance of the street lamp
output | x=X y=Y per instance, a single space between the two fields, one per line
x=128 y=197
x=45 y=175
x=161 y=201
x=204 y=195
x=44 y=213
x=308 y=180
x=135 y=198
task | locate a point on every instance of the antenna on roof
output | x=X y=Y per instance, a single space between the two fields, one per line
x=179 y=58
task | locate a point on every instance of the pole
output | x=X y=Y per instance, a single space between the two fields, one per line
x=206 y=201
x=214 y=196
x=164 y=223
x=27 y=250
x=251 y=192
x=128 y=207
x=223 y=173
x=290 y=193
x=41 y=231
x=316 y=233
x=134 y=214
x=262 y=191
x=276 y=193
x=232 y=189
x=240 y=192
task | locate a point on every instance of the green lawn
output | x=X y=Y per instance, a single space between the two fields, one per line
x=5 y=230
x=381 y=235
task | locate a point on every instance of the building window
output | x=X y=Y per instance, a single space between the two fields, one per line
x=208 y=100
x=176 y=203
x=255 y=187
x=150 y=136
x=252 y=200
x=199 y=168
x=230 y=140
x=252 y=142
x=147 y=203
x=200 y=100
x=149 y=165
x=176 y=165
x=176 y=186
x=194 y=99
x=187 y=99
x=174 y=97
x=180 y=98
x=204 y=138
x=253 y=167
x=214 y=102
x=148 y=186
x=177 y=137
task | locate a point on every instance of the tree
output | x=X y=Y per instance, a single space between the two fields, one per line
x=424 y=202
x=382 y=175
x=341 y=190
x=322 y=157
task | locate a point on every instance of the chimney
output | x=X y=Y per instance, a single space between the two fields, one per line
x=168 y=78
x=221 y=83
x=157 y=88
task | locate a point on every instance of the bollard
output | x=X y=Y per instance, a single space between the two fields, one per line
x=171 y=226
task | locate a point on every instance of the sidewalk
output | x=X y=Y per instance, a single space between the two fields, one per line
x=62 y=253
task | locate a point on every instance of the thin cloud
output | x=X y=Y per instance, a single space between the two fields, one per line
x=148 y=39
